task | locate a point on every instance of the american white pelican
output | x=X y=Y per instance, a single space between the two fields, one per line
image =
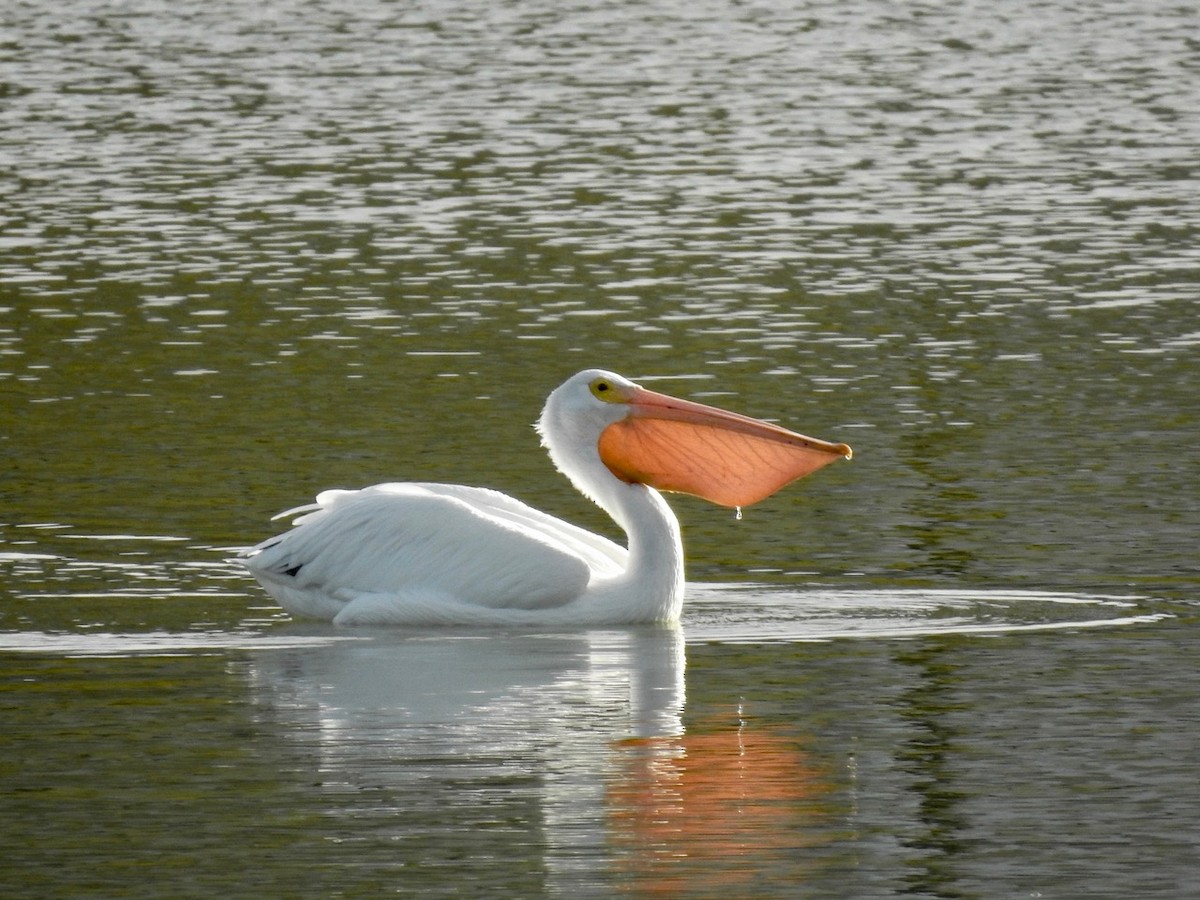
x=421 y=554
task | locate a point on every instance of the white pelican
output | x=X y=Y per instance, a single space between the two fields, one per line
x=425 y=554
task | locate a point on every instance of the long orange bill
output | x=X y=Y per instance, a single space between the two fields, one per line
x=724 y=457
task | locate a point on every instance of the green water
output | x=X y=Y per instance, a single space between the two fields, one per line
x=247 y=254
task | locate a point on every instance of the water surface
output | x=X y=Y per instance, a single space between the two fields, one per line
x=249 y=253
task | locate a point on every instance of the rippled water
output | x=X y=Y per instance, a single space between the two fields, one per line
x=248 y=253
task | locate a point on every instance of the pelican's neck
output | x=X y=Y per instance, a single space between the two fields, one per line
x=655 y=548
x=651 y=587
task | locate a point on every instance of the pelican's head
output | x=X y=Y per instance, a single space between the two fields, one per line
x=643 y=437
x=580 y=408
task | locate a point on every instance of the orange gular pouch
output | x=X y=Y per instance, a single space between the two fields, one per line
x=734 y=463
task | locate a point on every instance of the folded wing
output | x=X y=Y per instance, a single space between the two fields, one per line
x=465 y=545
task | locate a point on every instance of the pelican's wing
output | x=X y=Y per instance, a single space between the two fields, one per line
x=430 y=542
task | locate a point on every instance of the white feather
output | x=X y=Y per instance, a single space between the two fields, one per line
x=419 y=545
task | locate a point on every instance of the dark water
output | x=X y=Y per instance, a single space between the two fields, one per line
x=248 y=252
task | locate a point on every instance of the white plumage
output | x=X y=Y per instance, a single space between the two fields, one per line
x=427 y=554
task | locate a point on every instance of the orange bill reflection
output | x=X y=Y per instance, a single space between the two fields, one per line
x=717 y=808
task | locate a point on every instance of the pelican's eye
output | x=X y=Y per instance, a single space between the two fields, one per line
x=603 y=389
